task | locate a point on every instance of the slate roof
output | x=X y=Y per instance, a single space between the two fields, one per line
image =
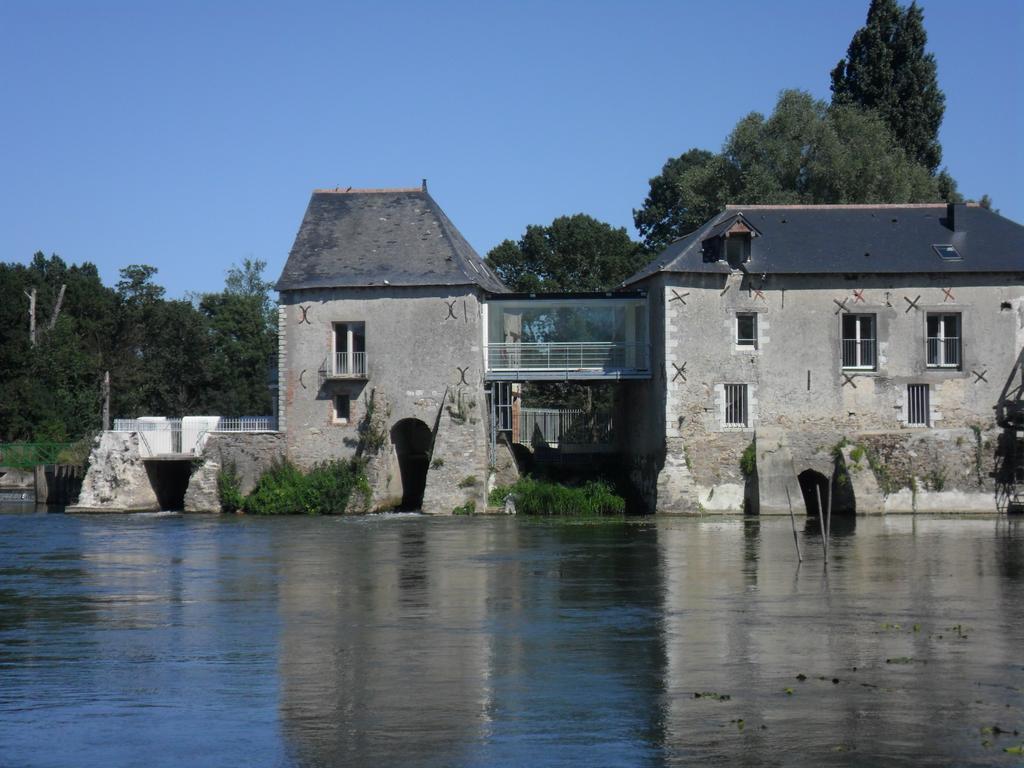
x=823 y=239
x=399 y=237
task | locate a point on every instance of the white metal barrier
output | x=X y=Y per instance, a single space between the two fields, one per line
x=159 y=435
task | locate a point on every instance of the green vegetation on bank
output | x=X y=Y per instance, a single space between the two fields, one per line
x=538 y=497
x=285 y=490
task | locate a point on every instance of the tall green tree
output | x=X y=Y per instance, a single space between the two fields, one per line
x=887 y=69
x=243 y=340
x=804 y=152
x=573 y=253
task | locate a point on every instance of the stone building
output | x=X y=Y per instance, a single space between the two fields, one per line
x=380 y=346
x=791 y=344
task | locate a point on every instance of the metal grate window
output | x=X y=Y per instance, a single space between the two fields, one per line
x=735 y=405
x=917 y=405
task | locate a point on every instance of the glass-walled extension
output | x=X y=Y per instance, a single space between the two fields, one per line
x=564 y=337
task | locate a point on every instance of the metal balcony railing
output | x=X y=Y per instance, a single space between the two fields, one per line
x=568 y=356
x=944 y=352
x=350 y=365
x=859 y=353
x=553 y=426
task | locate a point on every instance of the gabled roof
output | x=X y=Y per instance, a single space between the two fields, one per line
x=826 y=239
x=376 y=237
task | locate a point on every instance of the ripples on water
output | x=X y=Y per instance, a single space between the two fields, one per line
x=184 y=640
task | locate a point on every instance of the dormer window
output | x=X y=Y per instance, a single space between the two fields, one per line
x=730 y=240
x=737 y=249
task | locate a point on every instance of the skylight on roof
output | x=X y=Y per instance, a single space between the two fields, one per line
x=947 y=253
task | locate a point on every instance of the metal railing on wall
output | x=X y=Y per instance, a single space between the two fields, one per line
x=556 y=426
x=160 y=436
x=583 y=355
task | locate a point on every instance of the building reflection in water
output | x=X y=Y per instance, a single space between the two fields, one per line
x=900 y=639
x=436 y=643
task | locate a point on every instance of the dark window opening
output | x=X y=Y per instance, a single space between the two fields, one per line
x=746 y=329
x=342 y=408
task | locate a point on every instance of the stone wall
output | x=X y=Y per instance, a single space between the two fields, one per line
x=251 y=454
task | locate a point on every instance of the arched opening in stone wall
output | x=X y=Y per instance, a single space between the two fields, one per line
x=811 y=484
x=412 y=440
x=169 y=479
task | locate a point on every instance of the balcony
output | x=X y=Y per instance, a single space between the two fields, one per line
x=859 y=354
x=349 y=365
x=944 y=352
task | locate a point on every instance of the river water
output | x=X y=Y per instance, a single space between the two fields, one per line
x=172 y=640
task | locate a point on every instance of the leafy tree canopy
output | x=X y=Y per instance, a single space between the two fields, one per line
x=573 y=253
x=804 y=152
x=886 y=69
x=164 y=357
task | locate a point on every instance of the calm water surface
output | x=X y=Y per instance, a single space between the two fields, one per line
x=201 y=641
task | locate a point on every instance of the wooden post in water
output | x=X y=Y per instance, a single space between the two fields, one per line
x=792 y=521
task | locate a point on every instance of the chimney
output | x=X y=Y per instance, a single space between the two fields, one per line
x=424 y=185
x=955 y=216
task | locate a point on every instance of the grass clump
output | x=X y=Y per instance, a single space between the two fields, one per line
x=469 y=481
x=536 y=497
x=325 y=490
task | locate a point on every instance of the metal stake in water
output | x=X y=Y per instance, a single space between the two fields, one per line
x=821 y=522
x=792 y=521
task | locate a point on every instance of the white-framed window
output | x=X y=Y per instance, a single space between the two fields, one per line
x=736 y=405
x=746 y=329
x=859 y=344
x=350 y=350
x=918 y=405
x=943 y=340
x=342 y=409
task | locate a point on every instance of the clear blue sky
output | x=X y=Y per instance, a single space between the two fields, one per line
x=188 y=135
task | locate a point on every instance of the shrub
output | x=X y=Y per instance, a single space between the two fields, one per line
x=497 y=496
x=285 y=490
x=466 y=509
x=469 y=481
x=534 y=497
x=229 y=489
x=748 y=461
x=76 y=453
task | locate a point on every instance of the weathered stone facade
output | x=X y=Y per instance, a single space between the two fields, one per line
x=386 y=267
x=801 y=401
